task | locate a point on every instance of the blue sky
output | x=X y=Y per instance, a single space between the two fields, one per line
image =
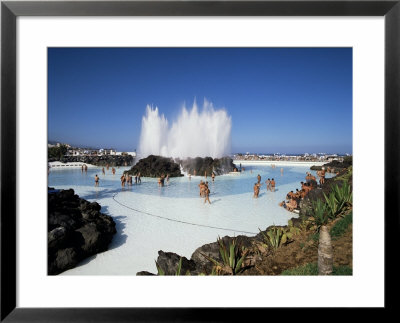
x=287 y=100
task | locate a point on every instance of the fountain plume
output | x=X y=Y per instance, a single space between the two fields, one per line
x=194 y=134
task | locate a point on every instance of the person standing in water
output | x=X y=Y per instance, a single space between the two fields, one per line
x=138 y=178
x=268 y=183
x=103 y=171
x=322 y=176
x=256 y=190
x=212 y=176
x=273 y=185
x=207 y=194
x=201 y=188
x=258 y=178
x=96 y=181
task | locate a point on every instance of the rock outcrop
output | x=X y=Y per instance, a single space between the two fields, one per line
x=156 y=166
x=111 y=160
x=199 y=165
x=76 y=230
x=318 y=193
x=197 y=264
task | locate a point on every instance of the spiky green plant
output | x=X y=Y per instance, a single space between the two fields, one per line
x=320 y=213
x=292 y=230
x=232 y=258
x=275 y=237
x=333 y=205
x=161 y=272
x=339 y=199
x=343 y=194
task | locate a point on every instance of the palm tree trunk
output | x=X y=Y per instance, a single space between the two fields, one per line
x=325 y=253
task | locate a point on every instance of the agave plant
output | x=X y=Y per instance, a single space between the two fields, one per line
x=161 y=272
x=344 y=194
x=232 y=258
x=320 y=213
x=291 y=230
x=333 y=204
x=276 y=237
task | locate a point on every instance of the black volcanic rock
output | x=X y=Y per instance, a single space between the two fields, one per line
x=201 y=165
x=155 y=166
x=318 y=193
x=203 y=265
x=76 y=230
x=169 y=262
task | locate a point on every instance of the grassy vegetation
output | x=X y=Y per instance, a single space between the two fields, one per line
x=312 y=270
x=341 y=226
x=346 y=176
x=338 y=229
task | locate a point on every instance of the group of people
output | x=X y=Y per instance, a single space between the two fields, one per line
x=204 y=191
x=84 y=168
x=162 y=179
x=128 y=179
x=321 y=175
x=293 y=198
x=270 y=183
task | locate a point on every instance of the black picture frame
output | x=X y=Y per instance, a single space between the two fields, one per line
x=10 y=10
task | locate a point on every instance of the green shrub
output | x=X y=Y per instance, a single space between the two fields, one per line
x=346 y=176
x=341 y=226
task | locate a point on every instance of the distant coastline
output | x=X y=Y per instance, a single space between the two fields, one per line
x=279 y=162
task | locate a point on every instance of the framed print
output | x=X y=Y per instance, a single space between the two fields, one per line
x=179 y=122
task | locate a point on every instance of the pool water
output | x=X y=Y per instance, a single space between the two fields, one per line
x=174 y=218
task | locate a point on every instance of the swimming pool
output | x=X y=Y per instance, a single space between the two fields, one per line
x=174 y=218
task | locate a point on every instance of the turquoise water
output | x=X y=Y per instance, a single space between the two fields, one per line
x=173 y=218
x=183 y=187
